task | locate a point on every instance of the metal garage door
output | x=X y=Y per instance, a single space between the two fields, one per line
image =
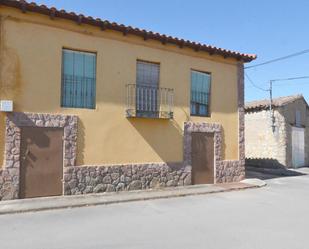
x=202 y=158
x=298 y=147
x=41 y=162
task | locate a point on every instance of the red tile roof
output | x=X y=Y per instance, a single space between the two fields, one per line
x=263 y=104
x=103 y=24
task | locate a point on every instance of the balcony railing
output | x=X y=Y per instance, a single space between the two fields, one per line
x=149 y=102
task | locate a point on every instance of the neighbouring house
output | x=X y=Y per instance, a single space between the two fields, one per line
x=277 y=138
x=92 y=106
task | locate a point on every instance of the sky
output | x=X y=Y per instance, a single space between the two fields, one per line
x=268 y=28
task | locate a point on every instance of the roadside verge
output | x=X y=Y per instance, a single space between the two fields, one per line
x=61 y=202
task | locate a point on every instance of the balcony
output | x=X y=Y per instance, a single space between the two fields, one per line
x=149 y=102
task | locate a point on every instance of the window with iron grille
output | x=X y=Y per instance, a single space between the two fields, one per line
x=147 y=83
x=78 y=88
x=200 y=93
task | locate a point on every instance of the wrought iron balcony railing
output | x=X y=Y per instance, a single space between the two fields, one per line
x=149 y=102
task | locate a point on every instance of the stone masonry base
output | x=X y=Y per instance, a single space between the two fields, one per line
x=230 y=171
x=95 y=179
x=109 y=178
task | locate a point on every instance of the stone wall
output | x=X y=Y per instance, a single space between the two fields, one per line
x=261 y=141
x=274 y=148
x=241 y=122
x=9 y=183
x=9 y=174
x=230 y=171
x=108 y=178
x=95 y=179
x=289 y=112
x=225 y=170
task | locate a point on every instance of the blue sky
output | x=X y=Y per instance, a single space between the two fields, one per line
x=270 y=29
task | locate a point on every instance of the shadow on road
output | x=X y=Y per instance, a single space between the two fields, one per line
x=270 y=173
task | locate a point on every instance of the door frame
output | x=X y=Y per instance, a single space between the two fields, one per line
x=14 y=123
x=214 y=164
x=28 y=180
x=215 y=128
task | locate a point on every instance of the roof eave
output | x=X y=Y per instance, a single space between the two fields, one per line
x=103 y=24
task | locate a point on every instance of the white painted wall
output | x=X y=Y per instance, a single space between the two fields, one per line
x=261 y=141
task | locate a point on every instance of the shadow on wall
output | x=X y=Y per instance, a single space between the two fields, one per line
x=28 y=131
x=164 y=136
x=10 y=76
x=267 y=168
x=265 y=163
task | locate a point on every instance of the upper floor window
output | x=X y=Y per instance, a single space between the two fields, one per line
x=298 y=118
x=147 y=73
x=200 y=93
x=147 y=92
x=78 y=88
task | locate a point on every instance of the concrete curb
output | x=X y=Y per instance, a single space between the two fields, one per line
x=62 y=202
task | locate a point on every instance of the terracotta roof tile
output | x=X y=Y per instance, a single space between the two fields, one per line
x=277 y=102
x=104 y=24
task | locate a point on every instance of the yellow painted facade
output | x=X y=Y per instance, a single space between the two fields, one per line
x=30 y=56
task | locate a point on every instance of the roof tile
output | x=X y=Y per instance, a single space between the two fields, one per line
x=277 y=102
x=53 y=12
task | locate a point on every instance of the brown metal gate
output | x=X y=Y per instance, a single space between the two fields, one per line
x=202 y=157
x=41 y=162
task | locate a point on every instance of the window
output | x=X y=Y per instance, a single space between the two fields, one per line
x=298 y=118
x=78 y=79
x=147 y=73
x=147 y=83
x=200 y=92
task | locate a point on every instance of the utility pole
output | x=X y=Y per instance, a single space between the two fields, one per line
x=272 y=117
x=271 y=109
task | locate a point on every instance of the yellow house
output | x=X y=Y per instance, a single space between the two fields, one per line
x=91 y=106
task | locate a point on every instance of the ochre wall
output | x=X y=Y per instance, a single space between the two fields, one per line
x=32 y=47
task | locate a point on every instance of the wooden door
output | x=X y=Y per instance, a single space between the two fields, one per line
x=41 y=162
x=202 y=157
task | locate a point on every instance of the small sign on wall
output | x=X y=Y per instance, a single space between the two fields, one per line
x=6 y=105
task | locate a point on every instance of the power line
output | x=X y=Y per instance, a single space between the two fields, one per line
x=271 y=95
x=299 y=84
x=279 y=59
x=293 y=78
x=254 y=85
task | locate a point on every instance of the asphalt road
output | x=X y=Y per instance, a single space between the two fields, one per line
x=276 y=216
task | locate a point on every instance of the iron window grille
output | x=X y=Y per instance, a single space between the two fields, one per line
x=78 y=83
x=200 y=93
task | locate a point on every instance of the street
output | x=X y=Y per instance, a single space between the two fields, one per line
x=275 y=216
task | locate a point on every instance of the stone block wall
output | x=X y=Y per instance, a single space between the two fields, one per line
x=230 y=171
x=95 y=179
x=9 y=183
x=289 y=112
x=108 y=178
x=261 y=141
x=225 y=170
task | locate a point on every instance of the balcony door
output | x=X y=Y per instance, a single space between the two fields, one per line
x=147 y=89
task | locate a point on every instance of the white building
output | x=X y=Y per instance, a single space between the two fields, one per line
x=280 y=137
